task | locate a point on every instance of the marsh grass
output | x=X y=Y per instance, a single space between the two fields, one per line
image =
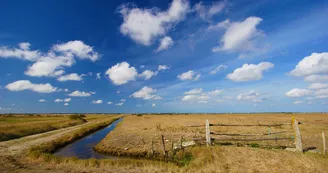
x=137 y=133
x=20 y=129
x=17 y=126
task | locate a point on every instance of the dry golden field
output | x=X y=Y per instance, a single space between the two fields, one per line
x=133 y=137
x=16 y=126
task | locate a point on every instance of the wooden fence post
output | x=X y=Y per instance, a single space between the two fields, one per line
x=172 y=148
x=298 y=139
x=152 y=148
x=181 y=147
x=208 y=137
x=163 y=146
x=324 y=143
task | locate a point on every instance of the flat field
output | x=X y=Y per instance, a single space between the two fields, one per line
x=135 y=134
x=16 y=126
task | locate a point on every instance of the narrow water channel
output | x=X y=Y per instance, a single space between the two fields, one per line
x=83 y=148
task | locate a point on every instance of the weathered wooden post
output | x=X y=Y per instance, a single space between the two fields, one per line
x=208 y=137
x=324 y=143
x=172 y=147
x=298 y=139
x=163 y=145
x=181 y=139
x=152 y=148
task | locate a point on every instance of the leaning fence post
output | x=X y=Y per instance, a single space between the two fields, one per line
x=324 y=143
x=298 y=139
x=208 y=138
x=163 y=146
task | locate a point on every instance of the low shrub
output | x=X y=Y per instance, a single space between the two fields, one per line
x=254 y=145
x=78 y=117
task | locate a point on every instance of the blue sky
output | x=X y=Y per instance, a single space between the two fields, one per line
x=163 y=56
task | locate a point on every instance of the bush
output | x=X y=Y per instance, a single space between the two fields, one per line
x=139 y=115
x=82 y=115
x=77 y=117
x=255 y=145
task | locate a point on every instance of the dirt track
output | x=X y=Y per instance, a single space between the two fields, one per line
x=18 y=146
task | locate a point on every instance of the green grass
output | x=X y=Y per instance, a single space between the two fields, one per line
x=254 y=145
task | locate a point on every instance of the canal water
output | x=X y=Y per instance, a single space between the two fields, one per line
x=83 y=148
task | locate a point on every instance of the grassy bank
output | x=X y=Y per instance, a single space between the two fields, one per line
x=44 y=152
x=16 y=127
x=50 y=147
x=205 y=160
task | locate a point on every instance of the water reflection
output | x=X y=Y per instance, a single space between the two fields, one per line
x=83 y=148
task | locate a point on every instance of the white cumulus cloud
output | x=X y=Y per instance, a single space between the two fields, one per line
x=197 y=95
x=189 y=75
x=298 y=102
x=27 y=85
x=297 y=92
x=214 y=92
x=165 y=43
x=194 y=91
x=119 y=104
x=146 y=93
x=198 y=98
x=70 y=77
x=42 y=100
x=51 y=63
x=249 y=72
x=316 y=63
x=147 y=74
x=78 y=93
x=322 y=92
x=77 y=48
x=239 y=35
x=316 y=78
x=63 y=100
x=23 y=52
x=251 y=95
x=163 y=67
x=318 y=86
x=122 y=73
x=98 y=76
x=145 y=25
x=206 y=11
x=97 y=102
